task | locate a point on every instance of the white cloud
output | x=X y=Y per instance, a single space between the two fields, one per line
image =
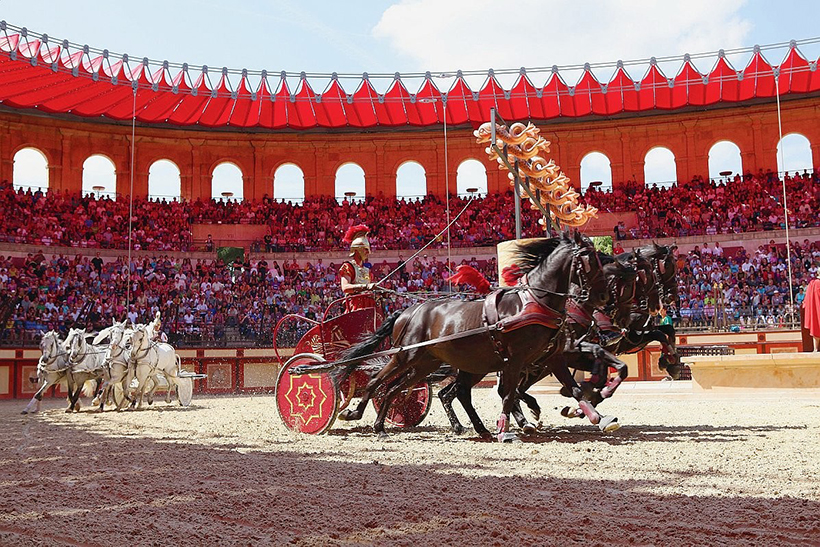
x=482 y=34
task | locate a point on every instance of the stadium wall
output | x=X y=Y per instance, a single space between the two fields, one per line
x=254 y=370
x=689 y=134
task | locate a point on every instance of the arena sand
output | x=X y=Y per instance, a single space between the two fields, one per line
x=737 y=468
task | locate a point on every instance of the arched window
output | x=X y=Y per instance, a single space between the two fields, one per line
x=724 y=160
x=596 y=171
x=660 y=167
x=411 y=180
x=99 y=177
x=30 y=169
x=163 y=181
x=226 y=182
x=471 y=174
x=350 y=182
x=796 y=154
x=289 y=183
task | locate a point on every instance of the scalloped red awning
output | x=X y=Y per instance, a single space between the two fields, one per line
x=35 y=76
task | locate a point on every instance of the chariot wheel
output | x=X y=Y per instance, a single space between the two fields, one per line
x=185 y=390
x=307 y=403
x=409 y=408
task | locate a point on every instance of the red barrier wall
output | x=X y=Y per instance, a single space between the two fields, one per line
x=254 y=370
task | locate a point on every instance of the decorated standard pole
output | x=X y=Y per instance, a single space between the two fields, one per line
x=518 y=150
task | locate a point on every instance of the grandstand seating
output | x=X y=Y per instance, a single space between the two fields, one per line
x=202 y=301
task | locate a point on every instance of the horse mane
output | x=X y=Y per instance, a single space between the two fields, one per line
x=530 y=254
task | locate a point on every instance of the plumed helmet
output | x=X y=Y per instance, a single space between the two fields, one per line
x=356 y=236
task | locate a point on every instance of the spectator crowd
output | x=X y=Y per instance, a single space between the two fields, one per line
x=207 y=300
x=700 y=206
x=198 y=300
x=705 y=207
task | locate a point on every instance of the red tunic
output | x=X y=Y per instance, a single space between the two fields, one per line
x=357 y=275
x=811 y=305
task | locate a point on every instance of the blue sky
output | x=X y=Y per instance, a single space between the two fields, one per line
x=380 y=36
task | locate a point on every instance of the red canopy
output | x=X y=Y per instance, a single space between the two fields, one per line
x=36 y=74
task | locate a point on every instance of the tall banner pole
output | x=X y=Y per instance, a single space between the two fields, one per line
x=517 y=194
x=795 y=312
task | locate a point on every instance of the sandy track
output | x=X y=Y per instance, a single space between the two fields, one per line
x=683 y=470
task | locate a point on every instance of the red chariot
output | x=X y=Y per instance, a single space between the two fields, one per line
x=309 y=403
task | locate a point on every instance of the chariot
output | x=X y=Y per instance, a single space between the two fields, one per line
x=309 y=403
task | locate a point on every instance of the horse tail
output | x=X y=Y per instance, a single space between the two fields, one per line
x=365 y=347
x=90 y=388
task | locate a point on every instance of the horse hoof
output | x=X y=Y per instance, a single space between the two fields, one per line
x=24 y=412
x=459 y=429
x=507 y=437
x=529 y=429
x=69 y=410
x=382 y=436
x=348 y=415
x=608 y=424
x=484 y=433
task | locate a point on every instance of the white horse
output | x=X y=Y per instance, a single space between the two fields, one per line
x=150 y=359
x=87 y=365
x=118 y=372
x=52 y=368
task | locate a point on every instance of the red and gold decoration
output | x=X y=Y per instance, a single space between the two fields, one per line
x=526 y=152
x=307 y=403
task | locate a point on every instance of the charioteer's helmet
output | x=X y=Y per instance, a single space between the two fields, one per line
x=356 y=236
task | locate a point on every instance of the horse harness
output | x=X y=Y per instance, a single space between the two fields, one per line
x=533 y=310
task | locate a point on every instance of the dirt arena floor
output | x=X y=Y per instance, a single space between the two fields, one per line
x=727 y=468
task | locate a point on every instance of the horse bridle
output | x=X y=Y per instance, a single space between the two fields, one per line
x=151 y=345
x=54 y=357
x=581 y=266
x=618 y=299
x=642 y=305
x=660 y=282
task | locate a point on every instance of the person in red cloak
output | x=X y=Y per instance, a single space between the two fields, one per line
x=811 y=307
x=355 y=276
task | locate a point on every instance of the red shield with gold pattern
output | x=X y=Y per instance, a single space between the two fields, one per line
x=307 y=403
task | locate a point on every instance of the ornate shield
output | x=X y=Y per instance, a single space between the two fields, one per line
x=307 y=403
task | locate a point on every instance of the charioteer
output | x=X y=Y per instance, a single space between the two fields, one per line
x=355 y=274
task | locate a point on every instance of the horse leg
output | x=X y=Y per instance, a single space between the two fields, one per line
x=391 y=368
x=154 y=386
x=97 y=392
x=106 y=389
x=143 y=383
x=405 y=380
x=35 y=400
x=172 y=386
x=508 y=388
x=72 y=388
x=521 y=393
x=531 y=403
x=465 y=397
x=446 y=395
x=605 y=423
x=125 y=384
x=622 y=372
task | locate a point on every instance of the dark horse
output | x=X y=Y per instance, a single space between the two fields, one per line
x=580 y=352
x=530 y=317
x=641 y=329
x=657 y=285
